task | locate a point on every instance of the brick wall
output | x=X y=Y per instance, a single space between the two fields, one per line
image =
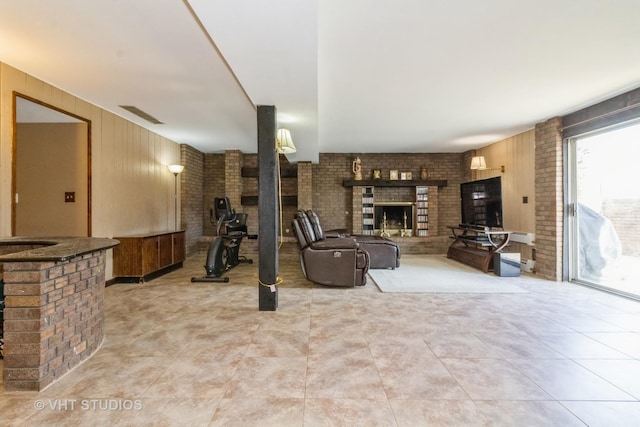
x=213 y=186
x=334 y=203
x=191 y=196
x=549 y=199
x=319 y=186
x=305 y=185
x=233 y=177
x=54 y=318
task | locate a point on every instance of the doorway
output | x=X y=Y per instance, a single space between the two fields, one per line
x=604 y=208
x=51 y=174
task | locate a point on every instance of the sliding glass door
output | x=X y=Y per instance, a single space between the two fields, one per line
x=604 y=209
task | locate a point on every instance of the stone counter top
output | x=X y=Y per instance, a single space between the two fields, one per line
x=54 y=249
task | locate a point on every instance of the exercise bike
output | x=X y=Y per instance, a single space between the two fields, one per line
x=224 y=250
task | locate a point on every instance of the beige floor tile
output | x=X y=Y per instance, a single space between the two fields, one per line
x=169 y=412
x=411 y=413
x=345 y=377
x=578 y=346
x=254 y=412
x=564 y=379
x=624 y=342
x=606 y=414
x=493 y=379
x=200 y=377
x=500 y=413
x=348 y=412
x=625 y=374
x=278 y=343
x=269 y=377
x=460 y=346
x=518 y=346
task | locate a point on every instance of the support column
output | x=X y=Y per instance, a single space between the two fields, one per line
x=268 y=209
x=549 y=199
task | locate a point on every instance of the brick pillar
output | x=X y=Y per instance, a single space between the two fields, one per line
x=305 y=185
x=549 y=199
x=192 y=196
x=233 y=176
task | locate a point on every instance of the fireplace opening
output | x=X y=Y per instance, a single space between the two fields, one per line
x=396 y=214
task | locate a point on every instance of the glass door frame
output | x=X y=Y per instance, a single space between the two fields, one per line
x=571 y=246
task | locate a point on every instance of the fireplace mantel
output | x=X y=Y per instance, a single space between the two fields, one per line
x=395 y=183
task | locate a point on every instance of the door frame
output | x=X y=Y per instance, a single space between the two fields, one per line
x=14 y=151
x=571 y=240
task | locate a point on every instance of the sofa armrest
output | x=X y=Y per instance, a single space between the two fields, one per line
x=342 y=232
x=336 y=243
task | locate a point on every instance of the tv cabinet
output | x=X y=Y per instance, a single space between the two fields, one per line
x=475 y=246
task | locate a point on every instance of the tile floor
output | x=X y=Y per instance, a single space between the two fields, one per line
x=201 y=354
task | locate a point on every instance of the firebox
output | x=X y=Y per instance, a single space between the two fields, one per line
x=396 y=214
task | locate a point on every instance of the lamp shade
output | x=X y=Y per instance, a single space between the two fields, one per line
x=284 y=143
x=176 y=169
x=478 y=163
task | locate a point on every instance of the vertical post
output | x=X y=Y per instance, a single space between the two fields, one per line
x=175 y=199
x=267 y=209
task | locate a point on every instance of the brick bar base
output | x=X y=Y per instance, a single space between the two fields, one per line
x=53 y=318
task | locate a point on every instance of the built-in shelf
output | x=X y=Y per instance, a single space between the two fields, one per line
x=395 y=183
x=253 y=200
x=286 y=172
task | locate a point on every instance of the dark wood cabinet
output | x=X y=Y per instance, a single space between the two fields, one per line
x=142 y=257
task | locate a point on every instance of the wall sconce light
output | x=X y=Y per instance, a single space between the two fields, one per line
x=284 y=143
x=175 y=170
x=478 y=163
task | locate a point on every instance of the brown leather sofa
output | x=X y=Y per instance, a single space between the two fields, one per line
x=383 y=252
x=333 y=262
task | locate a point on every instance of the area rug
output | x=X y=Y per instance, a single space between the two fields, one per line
x=438 y=274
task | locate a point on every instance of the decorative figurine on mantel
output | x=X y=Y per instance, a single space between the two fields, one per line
x=424 y=174
x=357 y=169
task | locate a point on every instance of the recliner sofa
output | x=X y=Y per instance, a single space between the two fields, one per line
x=335 y=261
x=383 y=252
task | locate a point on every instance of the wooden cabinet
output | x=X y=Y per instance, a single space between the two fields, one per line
x=142 y=257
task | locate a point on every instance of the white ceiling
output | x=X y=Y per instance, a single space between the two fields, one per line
x=346 y=76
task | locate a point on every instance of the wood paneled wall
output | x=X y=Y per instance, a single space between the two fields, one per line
x=517 y=155
x=131 y=185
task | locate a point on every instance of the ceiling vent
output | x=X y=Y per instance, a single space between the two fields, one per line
x=138 y=112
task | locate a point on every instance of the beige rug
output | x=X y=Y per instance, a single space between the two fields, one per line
x=437 y=274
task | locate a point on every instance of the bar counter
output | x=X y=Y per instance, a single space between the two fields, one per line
x=54 y=306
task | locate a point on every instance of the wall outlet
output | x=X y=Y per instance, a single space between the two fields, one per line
x=70 y=197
